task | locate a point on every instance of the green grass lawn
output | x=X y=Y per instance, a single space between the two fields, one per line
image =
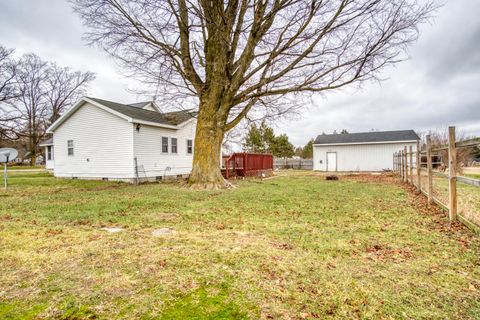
x=25 y=167
x=291 y=247
x=472 y=175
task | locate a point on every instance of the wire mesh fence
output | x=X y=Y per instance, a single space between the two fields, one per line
x=468 y=197
x=446 y=186
x=289 y=163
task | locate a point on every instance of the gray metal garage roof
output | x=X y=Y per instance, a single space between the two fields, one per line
x=366 y=137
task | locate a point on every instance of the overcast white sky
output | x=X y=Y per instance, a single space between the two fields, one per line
x=437 y=87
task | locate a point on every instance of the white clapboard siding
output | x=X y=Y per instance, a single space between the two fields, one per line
x=49 y=164
x=359 y=157
x=103 y=145
x=148 y=150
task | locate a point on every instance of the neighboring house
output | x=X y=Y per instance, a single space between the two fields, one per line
x=366 y=151
x=99 y=139
x=27 y=158
x=48 y=145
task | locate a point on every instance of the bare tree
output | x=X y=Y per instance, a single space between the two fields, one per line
x=43 y=92
x=464 y=155
x=235 y=57
x=64 y=88
x=7 y=74
x=7 y=91
x=30 y=107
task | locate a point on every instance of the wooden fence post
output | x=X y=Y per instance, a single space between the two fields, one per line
x=419 y=168
x=429 y=169
x=410 y=150
x=400 y=163
x=452 y=174
x=393 y=163
x=396 y=163
x=406 y=163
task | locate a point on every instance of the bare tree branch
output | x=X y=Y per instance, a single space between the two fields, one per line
x=235 y=57
x=43 y=91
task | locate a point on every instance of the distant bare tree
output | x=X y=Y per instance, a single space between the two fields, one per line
x=464 y=155
x=64 y=88
x=235 y=57
x=30 y=106
x=43 y=91
x=7 y=74
x=7 y=91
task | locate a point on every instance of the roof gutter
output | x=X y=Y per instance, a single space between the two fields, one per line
x=153 y=124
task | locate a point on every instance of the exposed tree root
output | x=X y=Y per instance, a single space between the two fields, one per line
x=219 y=185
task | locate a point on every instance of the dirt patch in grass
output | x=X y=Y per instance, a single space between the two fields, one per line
x=374 y=178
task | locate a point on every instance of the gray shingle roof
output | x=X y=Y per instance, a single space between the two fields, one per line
x=365 y=137
x=169 y=118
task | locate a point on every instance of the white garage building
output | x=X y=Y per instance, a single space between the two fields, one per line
x=364 y=151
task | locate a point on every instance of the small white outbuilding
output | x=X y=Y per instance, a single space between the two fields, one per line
x=100 y=139
x=364 y=151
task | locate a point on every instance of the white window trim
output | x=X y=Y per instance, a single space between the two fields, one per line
x=168 y=145
x=72 y=147
x=171 y=145
x=49 y=153
x=186 y=147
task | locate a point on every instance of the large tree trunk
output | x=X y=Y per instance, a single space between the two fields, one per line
x=33 y=160
x=209 y=135
x=33 y=151
x=206 y=172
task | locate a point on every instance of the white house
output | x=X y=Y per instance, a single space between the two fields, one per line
x=365 y=151
x=99 y=139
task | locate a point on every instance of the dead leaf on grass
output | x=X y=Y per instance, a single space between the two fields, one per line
x=53 y=232
x=282 y=246
x=220 y=226
x=385 y=253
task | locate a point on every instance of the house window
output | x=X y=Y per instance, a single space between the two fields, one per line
x=49 y=152
x=70 y=147
x=174 y=145
x=189 y=146
x=164 y=145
